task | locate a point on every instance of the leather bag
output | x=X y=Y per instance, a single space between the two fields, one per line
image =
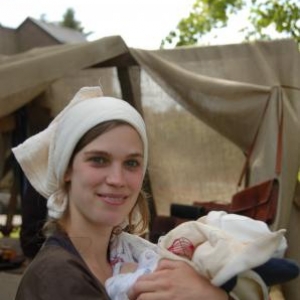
x=258 y=202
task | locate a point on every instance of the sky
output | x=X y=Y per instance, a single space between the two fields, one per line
x=141 y=23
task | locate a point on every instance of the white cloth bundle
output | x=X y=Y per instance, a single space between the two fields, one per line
x=219 y=246
x=224 y=245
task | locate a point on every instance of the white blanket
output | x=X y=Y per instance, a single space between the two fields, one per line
x=219 y=246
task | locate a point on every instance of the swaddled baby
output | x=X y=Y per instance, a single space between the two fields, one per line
x=220 y=246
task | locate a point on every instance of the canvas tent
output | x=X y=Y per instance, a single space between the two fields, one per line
x=226 y=87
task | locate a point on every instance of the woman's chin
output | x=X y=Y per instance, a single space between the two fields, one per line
x=115 y=221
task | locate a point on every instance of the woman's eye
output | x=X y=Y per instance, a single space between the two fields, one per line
x=99 y=160
x=132 y=163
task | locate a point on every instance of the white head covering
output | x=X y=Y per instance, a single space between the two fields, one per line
x=45 y=156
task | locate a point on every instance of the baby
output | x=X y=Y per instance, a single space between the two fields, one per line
x=219 y=246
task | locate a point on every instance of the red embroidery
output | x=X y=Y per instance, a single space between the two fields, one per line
x=182 y=247
x=115 y=260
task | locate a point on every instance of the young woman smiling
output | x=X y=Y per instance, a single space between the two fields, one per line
x=90 y=164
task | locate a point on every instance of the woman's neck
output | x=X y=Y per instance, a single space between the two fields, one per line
x=92 y=242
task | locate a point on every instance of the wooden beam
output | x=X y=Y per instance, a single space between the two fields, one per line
x=130 y=83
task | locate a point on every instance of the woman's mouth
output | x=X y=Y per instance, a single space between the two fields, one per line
x=112 y=199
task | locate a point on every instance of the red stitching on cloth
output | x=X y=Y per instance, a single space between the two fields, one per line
x=182 y=247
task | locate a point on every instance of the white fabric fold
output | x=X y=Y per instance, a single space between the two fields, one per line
x=218 y=246
x=223 y=245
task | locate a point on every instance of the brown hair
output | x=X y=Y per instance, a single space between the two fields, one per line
x=141 y=203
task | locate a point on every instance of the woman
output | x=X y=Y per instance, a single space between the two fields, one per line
x=90 y=164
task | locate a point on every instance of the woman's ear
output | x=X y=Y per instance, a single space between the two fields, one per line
x=67 y=177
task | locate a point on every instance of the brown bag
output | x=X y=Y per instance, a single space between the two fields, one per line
x=258 y=201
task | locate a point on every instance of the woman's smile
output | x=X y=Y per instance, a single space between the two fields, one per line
x=112 y=199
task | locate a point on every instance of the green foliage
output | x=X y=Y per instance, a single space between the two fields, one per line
x=206 y=15
x=69 y=20
x=283 y=15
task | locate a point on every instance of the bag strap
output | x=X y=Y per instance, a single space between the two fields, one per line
x=279 y=138
x=279 y=142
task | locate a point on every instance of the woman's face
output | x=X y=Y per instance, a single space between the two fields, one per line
x=106 y=177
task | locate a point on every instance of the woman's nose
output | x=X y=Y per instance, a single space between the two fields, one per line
x=115 y=175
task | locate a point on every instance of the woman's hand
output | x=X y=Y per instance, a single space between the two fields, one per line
x=175 y=280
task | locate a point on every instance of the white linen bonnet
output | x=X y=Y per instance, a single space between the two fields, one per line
x=44 y=157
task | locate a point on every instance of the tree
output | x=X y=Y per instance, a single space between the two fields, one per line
x=206 y=15
x=69 y=21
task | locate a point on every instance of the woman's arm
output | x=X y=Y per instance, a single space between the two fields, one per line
x=175 y=280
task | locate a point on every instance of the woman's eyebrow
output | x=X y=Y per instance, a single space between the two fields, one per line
x=96 y=152
x=100 y=152
x=136 y=154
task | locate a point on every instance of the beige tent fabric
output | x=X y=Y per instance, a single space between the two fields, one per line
x=62 y=90
x=227 y=87
x=234 y=108
x=195 y=91
x=25 y=75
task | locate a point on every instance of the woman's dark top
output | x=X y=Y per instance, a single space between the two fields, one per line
x=58 y=272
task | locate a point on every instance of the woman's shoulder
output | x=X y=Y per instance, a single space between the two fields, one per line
x=59 y=273
x=54 y=256
x=52 y=262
